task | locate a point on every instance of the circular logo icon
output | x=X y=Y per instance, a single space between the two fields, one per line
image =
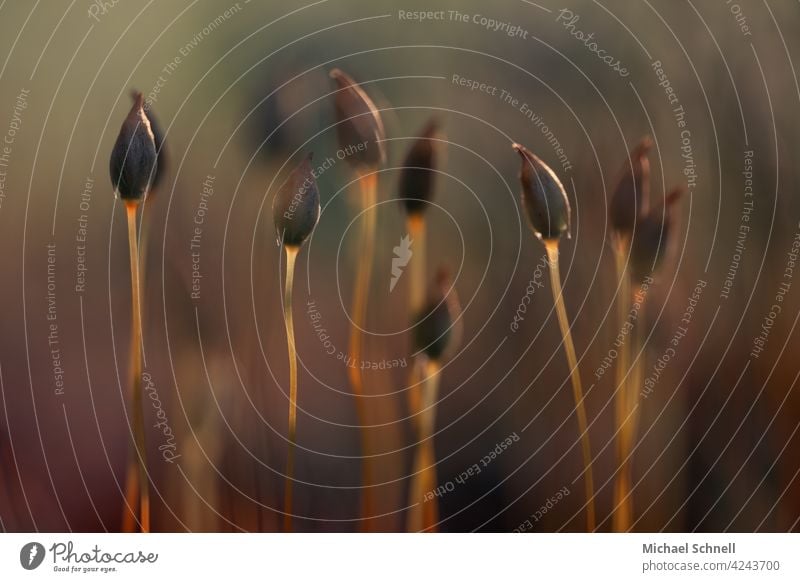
x=31 y=555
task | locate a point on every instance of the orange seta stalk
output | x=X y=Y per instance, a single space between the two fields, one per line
x=424 y=514
x=623 y=510
x=415 y=224
x=291 y=256
x=132 y=480
x=577 y=389
x=416 y=229
x=369 y=192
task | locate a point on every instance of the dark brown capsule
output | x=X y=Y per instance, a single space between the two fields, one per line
x=435 y=329
x=133 y=158
x=295 y=208
x=543 y=197
x=631 y=197
x=418 y=174
x=651 y=238
x=359 y=127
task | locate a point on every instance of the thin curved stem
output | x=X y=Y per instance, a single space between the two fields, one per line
x=291 y=256
x=136 y=361
x=132 y=481
x=637 y=374
x=623 y=358
x=423 y=515
x=415 y=224
x=369 y=183
x=131 y=502
x=623 y=496
x=577 y=389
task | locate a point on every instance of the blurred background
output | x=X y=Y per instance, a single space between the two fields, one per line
x=242 y=92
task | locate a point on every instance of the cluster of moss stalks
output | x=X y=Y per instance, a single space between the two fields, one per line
x=640 y=239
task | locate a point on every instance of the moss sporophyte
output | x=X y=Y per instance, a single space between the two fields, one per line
x=547 y=209
x=132 y=166
x=435 y=329
x=359 y=122
x=295 y=213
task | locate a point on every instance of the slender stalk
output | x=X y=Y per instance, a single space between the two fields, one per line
x=129 y=524
x=416 y=375
x=577 y=390
x=416 y=228
x=131 y=480
x=622 y=513
x=129 y=508
x=415 y=223
x=136 y=360
x=369 y=183
x=623 y=307
x=424 y=515
x=637 y=374
x=623 y=497
x=291 y=256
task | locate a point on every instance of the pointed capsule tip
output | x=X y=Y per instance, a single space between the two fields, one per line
x=432 y=127
x=524 y=152
x=528 y=157
x=342 y=78
x=643 y=147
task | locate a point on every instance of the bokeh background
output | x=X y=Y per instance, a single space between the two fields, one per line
x=248 y=98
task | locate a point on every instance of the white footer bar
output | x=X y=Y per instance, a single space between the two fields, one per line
x=400 y=557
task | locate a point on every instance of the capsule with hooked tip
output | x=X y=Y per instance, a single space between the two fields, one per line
x=359 y=127
x=543 y=197
x=133 y=160
x=630 y=199
x=418 y=175
x=296 y=208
